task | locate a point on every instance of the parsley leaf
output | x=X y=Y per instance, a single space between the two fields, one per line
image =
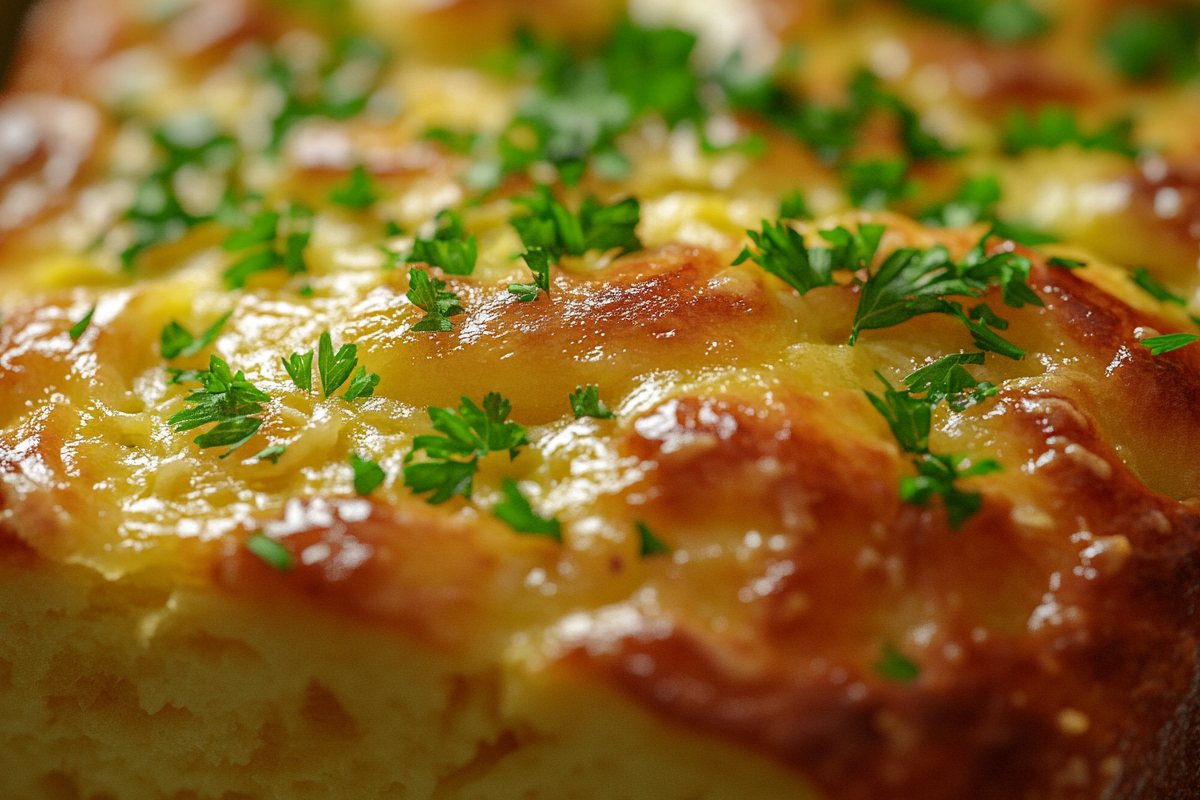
x=338 y=88
x=362 y=384
x=549 y=225
x=226 y=399
x=515 y=510
x=947 y=380
x=272 y=453
x=1143 y=278
x=908 y=284
x=158 y=215
x=585 y=402
x=271 y=552
x=367 y=474
x=910 y=418
x=895 y=666
x=334 y=369
x=937 y=475
x=1171 y=341
x=997 y=20
x=450 y=248
x=299 y=369
x=1055 y=126
x=878 y=183
x=1065 y=263
x=358 y=192
x=275 y=241
x=466 y=435
x=648 y=543
x=79 y=327
x=794 y=206
x=176 y=341
x=430 y=295
x=780 y=250
x=1143 y=43
x=538 y=261
x=976 y=200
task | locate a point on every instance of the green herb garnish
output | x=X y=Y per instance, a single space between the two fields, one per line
x=937 y=475
x=335 y=368
x=450 y=248
x=877 y=184
x=299 y=369
x=1065 y=263
x=975 y=201
x=1143 y=42
x=157 y=215
x=1054 y=127
x=79 y=327
x=894 y=666
x=1168 y=343
x=538 y=261
x=585 y=402
x=271 y=454
x=176 y=341
x=649 y=544
x=275 y=241
x=552 y=227
x=367 y=474
x=515 y=510
x=464 y=436
x=272 y=553
x=997 y=20
x=226 y=399
x=358 y=192
x=430 y=295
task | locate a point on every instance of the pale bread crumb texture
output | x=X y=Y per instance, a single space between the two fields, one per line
x=198 y=687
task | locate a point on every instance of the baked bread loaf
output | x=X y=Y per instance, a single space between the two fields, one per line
x=485 y=399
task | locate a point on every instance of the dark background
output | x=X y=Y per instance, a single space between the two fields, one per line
x=11 y=14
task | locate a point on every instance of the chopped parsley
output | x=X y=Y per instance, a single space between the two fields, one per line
x=909 y=415
x=157 y=214
x=976 y=201
x=937 y=475
x=1143 y=42
x=585 y=402
x=464 y=436
x=339 y=88
x=335 y=368
x=272 y=553
x=877 y=184
x=552 y=227
x=299 y=369
x=1065 y=263
x=794 y=206
x=1168 y=343
x=1143 y=278
x=1054 y=126
x=225 y=398
x=79 y=327
x=895 y=666
x=367 y=474
x=515 y=510
x=450 y=248
x=273 y=240
x=272 y=453
x=538 y=261
x=176 y=341
x=947 y=380
x=997 y=20
x=431 y=296
x=649 y=544
x=358 y=192
x=579 y=107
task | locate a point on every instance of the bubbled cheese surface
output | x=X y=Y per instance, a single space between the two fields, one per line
x=742 y=433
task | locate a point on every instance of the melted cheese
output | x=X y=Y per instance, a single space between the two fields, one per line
x=742 y=436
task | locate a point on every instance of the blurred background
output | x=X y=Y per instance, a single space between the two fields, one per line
x=12 y=12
